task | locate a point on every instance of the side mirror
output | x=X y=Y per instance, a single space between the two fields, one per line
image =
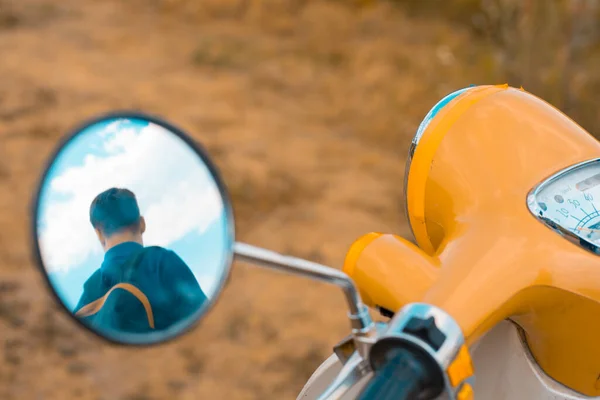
x=133 y=229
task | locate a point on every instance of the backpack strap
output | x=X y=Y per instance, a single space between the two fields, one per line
x=95 y=306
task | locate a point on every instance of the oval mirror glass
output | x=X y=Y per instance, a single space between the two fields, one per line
x=133 y=229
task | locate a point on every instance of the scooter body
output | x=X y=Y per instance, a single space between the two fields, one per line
x=498 y=299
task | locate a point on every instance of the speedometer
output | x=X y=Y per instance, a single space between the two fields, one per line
x=569 y=202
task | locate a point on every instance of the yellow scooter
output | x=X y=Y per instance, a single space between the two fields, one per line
x=502 y=192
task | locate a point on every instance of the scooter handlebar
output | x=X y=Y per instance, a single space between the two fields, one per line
x=401 y=377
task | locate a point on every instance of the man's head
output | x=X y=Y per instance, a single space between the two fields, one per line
x=115 y=216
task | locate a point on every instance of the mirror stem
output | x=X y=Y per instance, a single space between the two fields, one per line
x=359 y=313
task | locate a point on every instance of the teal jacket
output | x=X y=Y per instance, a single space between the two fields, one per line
x=160 y=274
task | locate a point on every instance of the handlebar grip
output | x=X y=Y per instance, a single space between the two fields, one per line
x=401 y=378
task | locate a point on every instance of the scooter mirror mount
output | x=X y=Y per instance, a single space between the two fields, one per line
x=359 y=316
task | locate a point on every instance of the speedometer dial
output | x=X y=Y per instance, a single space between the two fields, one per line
x=569 y=202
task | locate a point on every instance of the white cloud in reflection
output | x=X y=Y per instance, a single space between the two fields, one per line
x=175 y=191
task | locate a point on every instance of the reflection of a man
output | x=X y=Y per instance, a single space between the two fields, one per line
x=136 y=288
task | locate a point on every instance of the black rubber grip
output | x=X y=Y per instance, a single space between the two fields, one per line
x=400 y=378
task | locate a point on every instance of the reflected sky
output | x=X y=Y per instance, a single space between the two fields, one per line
x=177 y=196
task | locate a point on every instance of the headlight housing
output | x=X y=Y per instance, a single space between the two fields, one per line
x=415 y=141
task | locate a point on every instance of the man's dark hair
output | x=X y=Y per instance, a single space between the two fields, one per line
x=115 y=210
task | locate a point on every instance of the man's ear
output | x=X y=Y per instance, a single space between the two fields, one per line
x=142 y=225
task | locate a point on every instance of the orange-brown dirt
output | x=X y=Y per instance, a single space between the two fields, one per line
x=307 y=109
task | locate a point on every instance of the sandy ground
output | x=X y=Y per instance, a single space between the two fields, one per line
x=307 y=110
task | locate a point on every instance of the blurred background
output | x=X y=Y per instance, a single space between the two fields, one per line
x=307 y=107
